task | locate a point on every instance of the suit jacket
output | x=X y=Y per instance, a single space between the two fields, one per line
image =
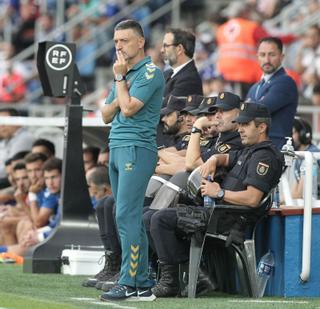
x=280 y=95
x=187 y=81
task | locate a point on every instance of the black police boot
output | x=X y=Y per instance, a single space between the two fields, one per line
x=168 y=285
x=111 y=267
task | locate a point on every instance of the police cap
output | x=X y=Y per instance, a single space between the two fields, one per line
x=250 y=111
x=206 y=106
x=227 y=101
x=173 y=104
x=192 y=103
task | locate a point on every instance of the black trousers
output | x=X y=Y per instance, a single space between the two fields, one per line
x=106 y=219
x=169 y=243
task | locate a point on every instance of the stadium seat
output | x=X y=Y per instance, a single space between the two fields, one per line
x=229 y=252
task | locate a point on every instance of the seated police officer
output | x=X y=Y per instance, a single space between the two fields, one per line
x=174 y=122
x=170 y=160
x=252 y=173
x=220 y=111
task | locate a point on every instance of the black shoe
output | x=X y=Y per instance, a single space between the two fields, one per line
x=119 y=292
x=107 y=285
x=204 y=285
x=111 y=267
x=161 y=290
x=168 y=285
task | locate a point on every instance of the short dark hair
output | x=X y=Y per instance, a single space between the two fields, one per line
x=34 y=157
x=94 y=151
x=186 y=38
x=274 y=40
x=11 y=111
x=100 y=176
x=130 y=24
x=316 y=89
x=19 y=166
x=45 y=143
x=259 y=120
x=53 y=164
x=8 y=162
x=19 y=155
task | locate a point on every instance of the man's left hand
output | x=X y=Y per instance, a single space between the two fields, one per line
x=121 y=64
x=209 y=188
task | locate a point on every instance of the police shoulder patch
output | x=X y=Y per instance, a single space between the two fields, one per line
x=204 y=142
x=186 y=138
x=223 y=148
x=262 y=168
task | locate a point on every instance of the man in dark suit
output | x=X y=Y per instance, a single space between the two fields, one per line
x=276 y=90
x=183 y=78
x=177 y=50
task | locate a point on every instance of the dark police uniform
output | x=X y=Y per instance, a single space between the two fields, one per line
x=224 y=143
x=181 y=141
x=258 y=165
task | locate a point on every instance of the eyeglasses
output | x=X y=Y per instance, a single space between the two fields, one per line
x=164 y=45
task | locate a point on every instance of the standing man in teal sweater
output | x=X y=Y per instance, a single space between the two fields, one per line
x=133 y=106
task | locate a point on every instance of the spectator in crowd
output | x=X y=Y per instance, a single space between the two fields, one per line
x=308 y=60
x=99 y=185
x=315 y=99
x=85 y=55
x=134 y=112
x=245 y=184
x=13 y=215
x=12 y=86
x=9 y=164
x=37 y=193
x=276 y=90
x=103 y=158
x=90 y=157
x=14 y=139
x=25 y=34
x=302 y=141
x=7 y=186
x=28 y=232
x=237 y=40
x=44 y=146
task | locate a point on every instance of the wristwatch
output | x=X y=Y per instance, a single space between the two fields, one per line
x=196 y=130
x=119 y=77
x=220 y=194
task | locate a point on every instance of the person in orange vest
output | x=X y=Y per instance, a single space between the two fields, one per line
x=237 y=41
x=12 y=86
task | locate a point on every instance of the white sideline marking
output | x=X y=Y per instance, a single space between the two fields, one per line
x=83 y=298
x=269 y=301
x=113 y=305
x=101 y=303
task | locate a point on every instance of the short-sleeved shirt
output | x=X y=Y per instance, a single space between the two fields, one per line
x=50 y=200
x=146 y=83
x=258 y=165
x=40 y=197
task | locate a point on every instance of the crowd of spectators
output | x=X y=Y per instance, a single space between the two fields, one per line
x=31 y=22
